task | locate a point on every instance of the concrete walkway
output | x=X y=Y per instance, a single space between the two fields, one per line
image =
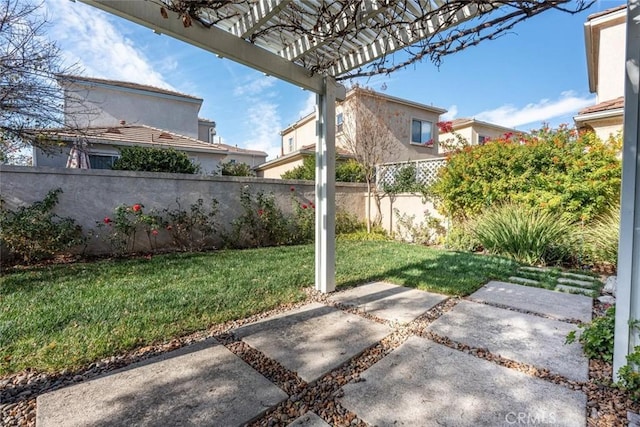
x=381 y=354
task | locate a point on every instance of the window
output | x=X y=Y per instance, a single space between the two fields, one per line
x=421 y=132
x=101 y=161
x=290 y=144
x=339 y=122
x=482 y=139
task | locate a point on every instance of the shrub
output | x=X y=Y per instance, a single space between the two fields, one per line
x=34 y=232
x=150 y=159
x=529 y=235
x=235 y=169
x=461 y=237
x=348 y=223
x=346 y=171
x=601 y=238
x=304 y=220
x=628 y=375
x=192 y=229
x=120 y=229
x=559 y=171
x=261 y=223
x=425 y=232
x=597 y=337
x=405 y=181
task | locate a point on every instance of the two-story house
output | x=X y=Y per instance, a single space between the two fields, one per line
x=410 y=127
x=605 y=41
x=109 y=114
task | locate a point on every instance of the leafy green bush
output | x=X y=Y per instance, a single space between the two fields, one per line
x=405 y=181
x=597 y=337
x=120 y=229
x=151 y=159
x=348 y=223
x=346 y=171
x=34 y=232
x=235 y=169
x=529 y=235
x=424 y=232
x=601 y=238
x=192 y=229
x=460 y=237
x=628 y=375
x=260 y=224
x=559 y=171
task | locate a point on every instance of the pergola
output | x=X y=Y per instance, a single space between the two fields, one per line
x=315 y=43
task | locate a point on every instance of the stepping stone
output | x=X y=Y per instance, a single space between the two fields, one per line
x=389 y=302
x=310 y=419
x=422 y=383
x=607 y=299
x=575 y=282
x=535 y=269
x=517 y=336
x=204 y=384
x=581 y=277
x=553 y=304
x=522 y=280
x=574 y=290
x=610 y=285
x=312 y=340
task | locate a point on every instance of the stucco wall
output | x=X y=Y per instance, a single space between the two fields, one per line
x=303 y=134
x=277 y=171
x=101 y=106
x=611 y=62
x=408 y=204
x=91 y=195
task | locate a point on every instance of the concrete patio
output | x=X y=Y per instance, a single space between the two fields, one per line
x=416 y=381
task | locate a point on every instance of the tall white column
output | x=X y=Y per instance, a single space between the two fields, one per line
x=326 y=188
x=628 y=291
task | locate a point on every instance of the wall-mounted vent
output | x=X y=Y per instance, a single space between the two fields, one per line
x=165 y=135
x=113 y=130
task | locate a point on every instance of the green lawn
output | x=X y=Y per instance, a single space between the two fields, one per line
x=64 y=316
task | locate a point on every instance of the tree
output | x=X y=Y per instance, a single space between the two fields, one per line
x=151 y=159
x=30 y=98
x=232 y=168
x=367 y=134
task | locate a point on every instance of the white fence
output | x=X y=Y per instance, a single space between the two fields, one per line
x=426 y=171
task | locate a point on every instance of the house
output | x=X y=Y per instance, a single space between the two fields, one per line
x=474 y=132
x=409 y=127
x=109 y=114
x=605 y=41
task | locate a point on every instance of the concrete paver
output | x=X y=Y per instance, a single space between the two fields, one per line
x=204 y=384
x=427 y=384
x=575 y=282
x=524 y=280
x=517 y=336
x=542 y=301
x=313 y=339
x=574 y=290
x=310 y=419
x=580 y=277
x=389 y=302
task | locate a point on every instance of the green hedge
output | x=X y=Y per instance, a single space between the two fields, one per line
x=151 y=159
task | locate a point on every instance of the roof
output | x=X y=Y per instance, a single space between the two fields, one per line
x=606 y=12
x=126 y=85
x=470 y=121
x=612 y=104
x=306 y=150
x=143 y=135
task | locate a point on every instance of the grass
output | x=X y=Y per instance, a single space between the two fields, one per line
x=66 y=316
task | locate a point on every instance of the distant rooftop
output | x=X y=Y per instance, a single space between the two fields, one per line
x=128 y=85
x=612 y=104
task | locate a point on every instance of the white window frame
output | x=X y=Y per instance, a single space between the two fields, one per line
x=421 y=144
x=291 y=144
x=339 y=122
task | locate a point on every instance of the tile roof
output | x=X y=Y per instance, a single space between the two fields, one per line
x=606 y=12
x=612 y=104
x=143 y=135
x=128 y=85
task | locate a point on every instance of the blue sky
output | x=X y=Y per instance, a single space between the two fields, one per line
x=535 y=74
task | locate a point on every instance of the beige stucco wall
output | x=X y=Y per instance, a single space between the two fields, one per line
x=303 y=134
x=611 y=62
x=472 y=134
x=408 y=204
x=605 y=128
x=90 y=195
x=277 y=171
x=104 y=106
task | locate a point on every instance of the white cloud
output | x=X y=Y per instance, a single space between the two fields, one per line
x=253 y=86
x=264 y=124
x=87 y=37
x=508 y=115
x=451 y=113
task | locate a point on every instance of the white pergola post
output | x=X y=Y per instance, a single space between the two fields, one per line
x=326 y=188
x=628 y=287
